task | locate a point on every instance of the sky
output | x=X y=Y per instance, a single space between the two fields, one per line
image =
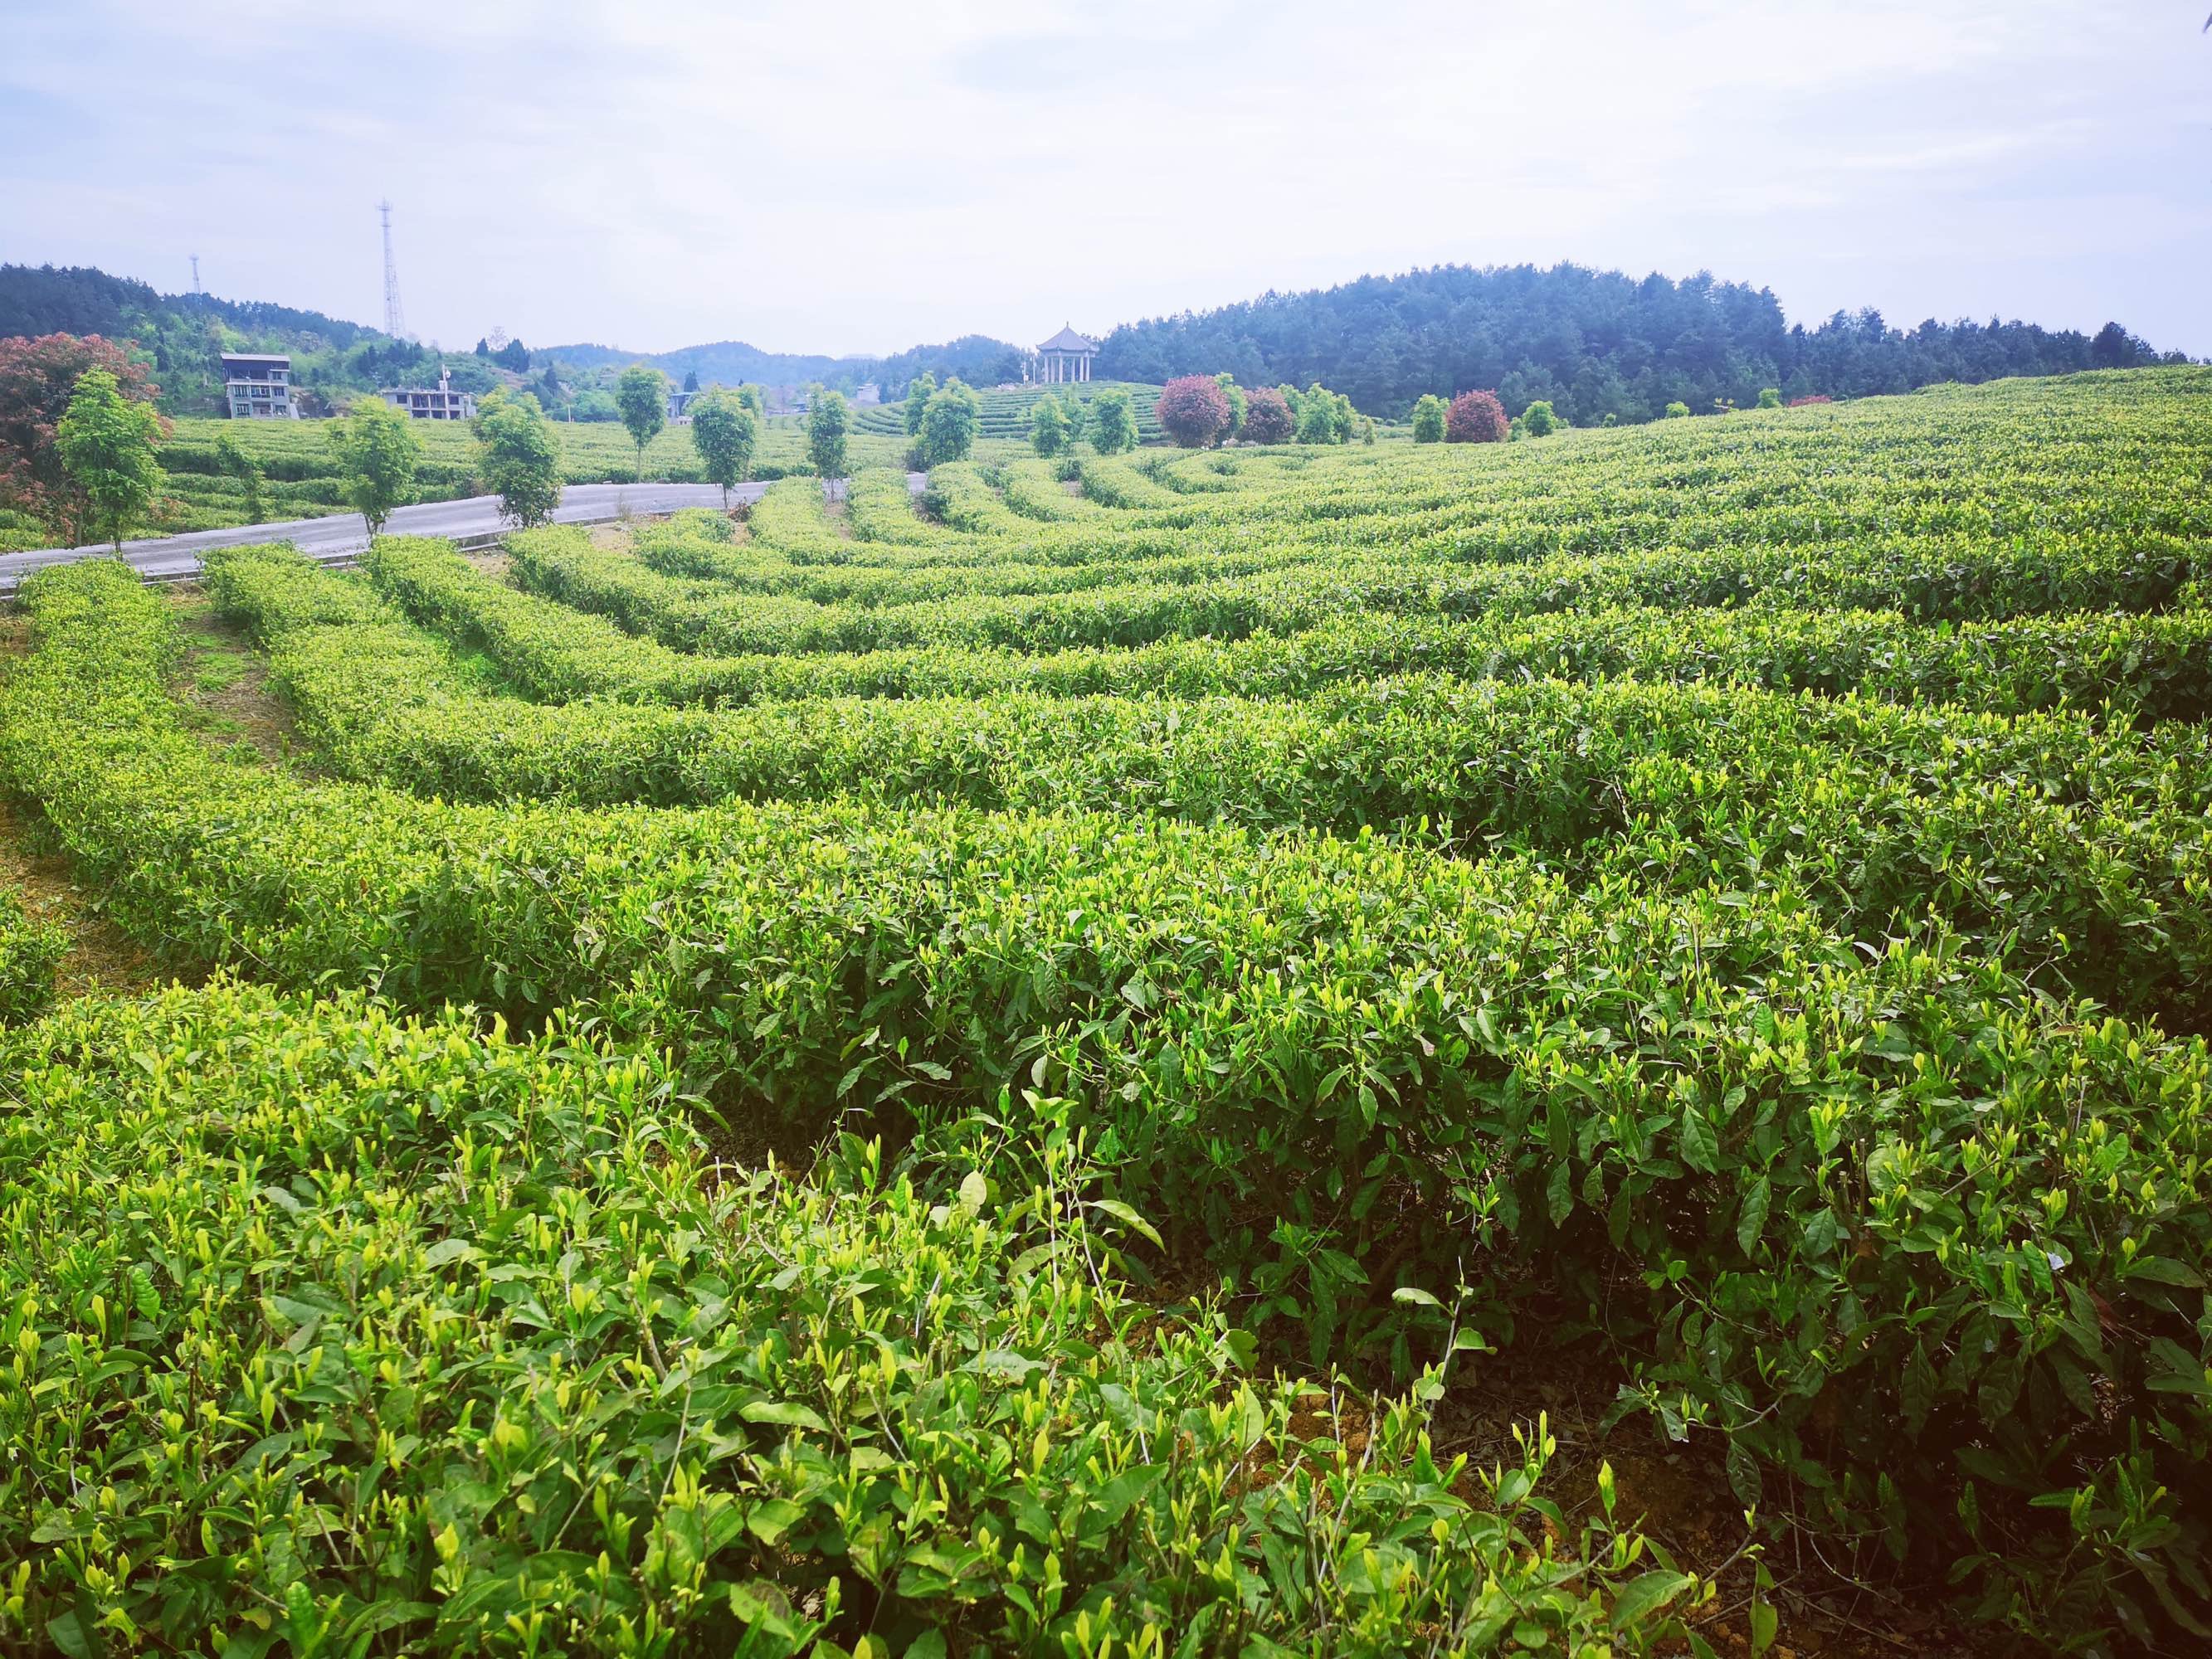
x=863 y=176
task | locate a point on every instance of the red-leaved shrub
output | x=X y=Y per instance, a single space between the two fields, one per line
x=1267 y=416
x=1194 y=410
x=1476 y=417
x=1817 y=398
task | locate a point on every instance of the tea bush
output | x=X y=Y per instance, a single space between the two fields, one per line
x=1730 y=896
x=30 y=949
x=331 y=1331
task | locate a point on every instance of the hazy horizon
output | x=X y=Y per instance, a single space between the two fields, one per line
x=863 y=183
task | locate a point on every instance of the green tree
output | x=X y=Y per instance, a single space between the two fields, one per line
x=827 y=421
x=230 y=455
x=1235 y=394
x=1429 y=419
x=948 y=425
x=641 y=395
x=105 y=441
x=755 y=399
x=1112 y=422
x=918 y=391
x=377 y=452
x=520 y=457
x=1539 y=420
x=1676 y=411
x=725 y=432
x=1050 y=430
x=1324 y=417
x=1770 y=397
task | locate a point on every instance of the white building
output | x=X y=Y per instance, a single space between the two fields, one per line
x=442 y=404
x=258 y=386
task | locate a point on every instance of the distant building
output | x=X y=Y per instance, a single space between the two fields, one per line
x=679 y=406
x=867 y=392
x=258 y=386
x=1066 y=356
x=441 y=403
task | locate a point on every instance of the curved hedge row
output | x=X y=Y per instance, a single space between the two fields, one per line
x=373 y=1336
x=1926 y=583
x=2088 y=852
x=2146 y=668
x=1859 y=1211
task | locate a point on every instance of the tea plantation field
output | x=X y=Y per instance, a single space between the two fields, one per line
x=1072 y=1069
x=302 y=481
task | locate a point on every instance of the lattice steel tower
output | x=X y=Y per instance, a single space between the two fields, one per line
x=395 y=321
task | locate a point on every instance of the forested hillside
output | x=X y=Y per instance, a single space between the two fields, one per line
x=1592 y=342
x=184 y=334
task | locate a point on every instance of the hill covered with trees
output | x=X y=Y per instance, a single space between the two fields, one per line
x=1593 y=343
x=184 y=335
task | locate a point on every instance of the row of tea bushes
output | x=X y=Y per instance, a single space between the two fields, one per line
x=2148 y=667
x=1860 y=1213
x=329 y=1331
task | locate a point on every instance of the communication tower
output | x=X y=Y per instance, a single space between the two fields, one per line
x=395 y=321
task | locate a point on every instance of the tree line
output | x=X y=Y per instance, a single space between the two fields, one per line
x=1590 y=344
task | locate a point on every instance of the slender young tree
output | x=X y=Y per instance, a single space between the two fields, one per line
x=918 y=391
x=230 y=455
x=948 y=425
x=641 y=395
x=1237 y=405
x=107 y=445
x=521 y=455
x=725 y=432
x=38 y=377
x=827 y=419
x=1429 y=419
x=1112 y=422
x=1050 y=430
x=377 y=452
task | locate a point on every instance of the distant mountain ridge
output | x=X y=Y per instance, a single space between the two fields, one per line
x=975 y=357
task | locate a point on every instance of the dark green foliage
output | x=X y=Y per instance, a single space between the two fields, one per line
x=827 y=420
x=1109 y=422
x=948 y=424
x=918 y=391
x=726 y=431
x=520 y=457
x=1592 y=342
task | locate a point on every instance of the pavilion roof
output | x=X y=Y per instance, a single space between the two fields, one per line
x=1068 y=340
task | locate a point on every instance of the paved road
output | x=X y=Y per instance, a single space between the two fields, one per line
x=343 y=535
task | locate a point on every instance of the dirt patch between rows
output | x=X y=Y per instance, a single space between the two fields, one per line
x=102 y=961
x=223 y=684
